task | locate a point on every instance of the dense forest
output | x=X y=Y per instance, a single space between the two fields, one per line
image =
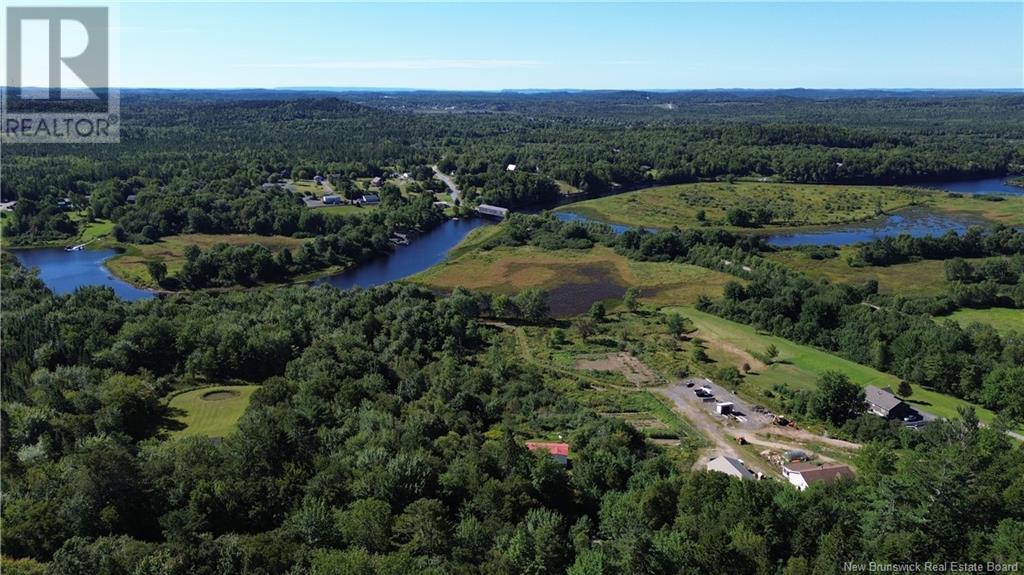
x=387 y=437
x=214 y=147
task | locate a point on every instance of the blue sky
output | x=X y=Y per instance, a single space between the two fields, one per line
x=573 y=45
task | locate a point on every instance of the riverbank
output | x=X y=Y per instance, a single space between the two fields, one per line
x=745 y=206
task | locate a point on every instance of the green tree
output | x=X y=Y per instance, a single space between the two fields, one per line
x=631 y=299
x=157 y=271
x=837 y=399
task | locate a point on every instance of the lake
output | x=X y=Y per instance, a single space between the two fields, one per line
x=64 y=272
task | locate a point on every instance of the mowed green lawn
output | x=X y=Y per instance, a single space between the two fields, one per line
x=211 y=411
x=791 y=204
x=1004 y=320
x=798 y=366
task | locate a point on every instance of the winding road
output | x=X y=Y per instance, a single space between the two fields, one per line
x=456 y=193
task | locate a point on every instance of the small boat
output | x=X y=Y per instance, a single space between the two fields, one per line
x=77 y=248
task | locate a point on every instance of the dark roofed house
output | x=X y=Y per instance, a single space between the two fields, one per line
x=802 y=475
x=883 y=403
x=559 y=451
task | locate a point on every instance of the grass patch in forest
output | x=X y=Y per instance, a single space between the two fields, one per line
x=211 y=411
x=791 y=204
x=96 y=229
x=920 y=279
x=574 y=279
x=131 y=265
x=347 y=210
x=309 y=188
x=1004 y=320
x=798 y=366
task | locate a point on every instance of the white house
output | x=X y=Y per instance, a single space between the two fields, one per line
x=802 y=475
x=730 y=466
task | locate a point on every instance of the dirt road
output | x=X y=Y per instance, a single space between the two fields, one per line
x=756 y=429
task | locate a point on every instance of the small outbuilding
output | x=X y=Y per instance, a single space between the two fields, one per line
x=730 y=466
x=724 y=407
x=510 y=168
x=802 y=475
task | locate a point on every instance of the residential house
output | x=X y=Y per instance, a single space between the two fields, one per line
x=332 y=199
x=802 y=475
x=369 y=199
x=377 y=181
x=883 y=403
x=730 y=466
x=558 y=451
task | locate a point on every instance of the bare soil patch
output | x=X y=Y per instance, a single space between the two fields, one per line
x=630 y=367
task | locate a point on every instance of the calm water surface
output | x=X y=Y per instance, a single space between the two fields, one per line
x=423 y=252
x=64 y=272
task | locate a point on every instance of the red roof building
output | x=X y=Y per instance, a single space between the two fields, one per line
x=559 y=451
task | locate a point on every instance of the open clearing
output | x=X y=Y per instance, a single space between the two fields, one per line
x=211 y=411
x=625 y=363
x=798 y=366
x=1004 y=320
x=920 y=279
x=1008 y=211
x=575 y=279
x=791 y=204
x=131 y=265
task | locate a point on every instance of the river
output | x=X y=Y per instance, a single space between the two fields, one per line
x=422 y=252
x=64 y=271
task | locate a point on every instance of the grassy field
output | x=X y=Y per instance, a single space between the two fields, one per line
x=922 y=278
x=346 y=210
x=574 y=278
x=96 y=229
x=798 y=366
x=308 y=188
x=211 y=411
x=1004 y=320
x=131 y=265
x=1008 y=211
x=792 y=204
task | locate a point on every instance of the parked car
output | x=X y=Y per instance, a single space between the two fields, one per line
x=912 y=417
